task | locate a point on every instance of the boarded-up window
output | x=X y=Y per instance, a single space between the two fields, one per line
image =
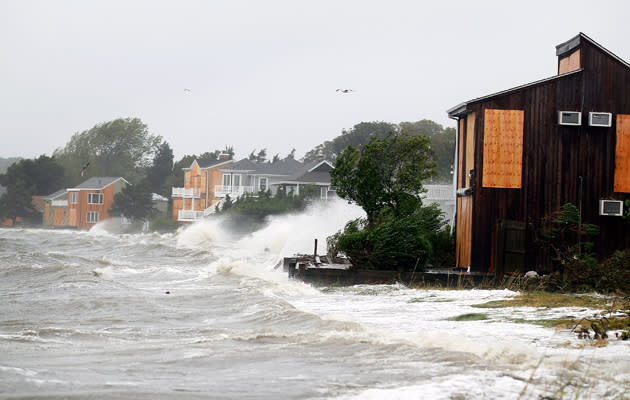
x=503 y=149
x=464 y=231
x=622 y=154
x=570 y=62
x=59 y=216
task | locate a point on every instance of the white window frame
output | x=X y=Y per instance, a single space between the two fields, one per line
x=91 y=217
x=260 y=183
x=99 y=198
x=227 y=180
x=74 y=197
x=236 y=180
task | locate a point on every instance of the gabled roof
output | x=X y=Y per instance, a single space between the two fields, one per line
x=285 y=167
x=561 y=49
x=315 y=172
x=205 y=164
x=58 y=193
x=97 y=183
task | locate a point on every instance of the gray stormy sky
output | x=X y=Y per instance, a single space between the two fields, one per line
x=263 y=74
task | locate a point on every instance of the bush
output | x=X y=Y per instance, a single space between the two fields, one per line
x=402 y=243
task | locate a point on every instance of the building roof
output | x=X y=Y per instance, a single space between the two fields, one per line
x=97 y=183
x=205 y=164
x=314 y=172
x=285 y=167
x=561 y=49
x=157 y=197
x=58 y=193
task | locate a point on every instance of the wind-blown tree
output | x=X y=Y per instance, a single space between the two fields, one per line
x=442 y=144
x=386 y=172
x=27 y=178
x=359 y=135
x=385 y=177
x=161 y=169
x=122 y=147
x=260 y=157
x=134 y=202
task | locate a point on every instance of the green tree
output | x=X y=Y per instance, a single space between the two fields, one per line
x=122 y=147
x=161 y=169
x=261 y=156
x=25 y=179
x=134 y=202
x=386 y=172
x=16 y=203
x=359 y=135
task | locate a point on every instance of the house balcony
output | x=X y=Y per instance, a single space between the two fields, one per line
x=233 y=191
x=189 y=215
x=186 y=193
x=59 y=203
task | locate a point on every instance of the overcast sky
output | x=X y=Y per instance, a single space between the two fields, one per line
x=264 y=74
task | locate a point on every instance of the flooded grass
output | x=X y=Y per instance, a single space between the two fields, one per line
x=548 y=300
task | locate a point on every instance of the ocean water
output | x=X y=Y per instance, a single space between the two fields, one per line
x=87 y=315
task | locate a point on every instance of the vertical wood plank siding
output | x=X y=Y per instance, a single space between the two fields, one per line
x=622 y=152
x=561 y=164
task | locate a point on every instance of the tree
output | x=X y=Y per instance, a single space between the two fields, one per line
x=16 y=203
x=161 y=169
x=25 y=179
x=122 y=147
x=359 y=135
x=260 y=157
x=134 y=202
x=384 y=173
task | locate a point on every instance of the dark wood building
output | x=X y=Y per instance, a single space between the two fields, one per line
x=524 y=152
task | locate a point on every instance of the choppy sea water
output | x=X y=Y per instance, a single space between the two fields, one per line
x=87 y=315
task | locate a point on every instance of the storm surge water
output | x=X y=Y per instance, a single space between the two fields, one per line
x=201 y=314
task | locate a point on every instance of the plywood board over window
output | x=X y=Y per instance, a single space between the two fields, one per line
x=503 y=149
x=622 y=154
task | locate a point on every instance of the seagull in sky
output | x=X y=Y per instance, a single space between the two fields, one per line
x=344 y=90
x=87 y=164
x=187 y=90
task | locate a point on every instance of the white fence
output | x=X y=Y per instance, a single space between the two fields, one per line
x=189 y=215
x=233 y=191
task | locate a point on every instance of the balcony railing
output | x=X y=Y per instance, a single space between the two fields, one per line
x=189 y=215
x=59 y=203
x=184 y=192
x=233 y=191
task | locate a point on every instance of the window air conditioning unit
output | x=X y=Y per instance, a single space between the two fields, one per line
x=611 y=207
x=569 y=118
x=599 y=119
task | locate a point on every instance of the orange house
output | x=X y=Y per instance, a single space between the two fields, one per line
x=56 y=209
x=197 y=198
x=89 y=202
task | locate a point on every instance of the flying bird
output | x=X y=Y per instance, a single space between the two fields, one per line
x=85 y=167
x=344 y=90
x=187 y=90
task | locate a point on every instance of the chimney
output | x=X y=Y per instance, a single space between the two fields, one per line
x=224 y=157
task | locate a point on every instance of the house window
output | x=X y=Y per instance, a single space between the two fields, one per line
x=92 y=217
x=262 y=183
x=227 y=180
x=237 y=180
x=95 y=198
x=74 y=198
